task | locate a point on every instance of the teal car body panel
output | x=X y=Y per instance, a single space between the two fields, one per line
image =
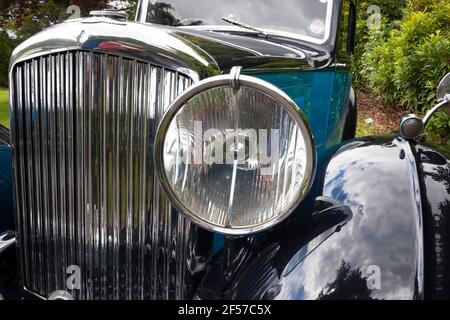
x=6 y=201
x=322 y=96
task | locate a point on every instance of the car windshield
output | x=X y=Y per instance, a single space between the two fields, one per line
x=305 y=19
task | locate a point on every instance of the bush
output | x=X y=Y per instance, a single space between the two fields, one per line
x=391 y=12
x=403 y=66
x=421 y=5
x=6 y=47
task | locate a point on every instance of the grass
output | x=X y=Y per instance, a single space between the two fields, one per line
x=385 y=120
x=374 y=129
x=365 y=130
x=4 y=107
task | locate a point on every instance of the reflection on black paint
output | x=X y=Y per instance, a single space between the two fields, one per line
x=254 y=268
x=435 y=182
x=350 y=284
x=380 y=188
x=441 y=174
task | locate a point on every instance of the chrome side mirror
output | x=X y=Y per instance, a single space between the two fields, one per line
x=443 y=96
x=443 y=91
x=412 y=127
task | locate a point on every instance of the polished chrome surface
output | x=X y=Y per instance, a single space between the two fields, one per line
x=443 y=92
x=227 y=195
x=60 y=295
x=235 y=74
x=147 y=43
x=7 y=239
x=141 y=11
x=114 y=14
x=86 y=194
x=444 y=105
x=443 y=98
x=411 y=126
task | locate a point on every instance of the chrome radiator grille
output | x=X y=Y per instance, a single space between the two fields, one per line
x=83 y=124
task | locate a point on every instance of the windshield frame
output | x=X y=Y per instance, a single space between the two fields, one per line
x=142 y=10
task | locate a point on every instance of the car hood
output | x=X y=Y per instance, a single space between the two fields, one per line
x=253 y=52
x=197 y=53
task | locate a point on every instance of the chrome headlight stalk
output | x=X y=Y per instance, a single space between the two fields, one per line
x=235 y=154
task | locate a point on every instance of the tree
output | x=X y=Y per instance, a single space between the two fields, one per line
x=26 y=17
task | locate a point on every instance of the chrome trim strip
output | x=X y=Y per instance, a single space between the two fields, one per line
x=35 y=295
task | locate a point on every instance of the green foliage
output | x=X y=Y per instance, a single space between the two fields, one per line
x=439 y=126
x=27 y=17
x=24 y=18
x=6 y=47
x=421 y=5
x=390 y=11
x=365 y=130
x=32 y=20
x=404 y=61
x=4 y=107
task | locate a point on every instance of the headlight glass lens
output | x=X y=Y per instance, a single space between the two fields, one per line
x=236 y=161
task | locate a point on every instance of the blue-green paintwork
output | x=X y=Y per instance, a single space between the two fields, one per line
x=323 y=98
x=6 y=203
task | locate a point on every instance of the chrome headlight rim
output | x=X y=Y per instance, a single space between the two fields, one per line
x=231 y=80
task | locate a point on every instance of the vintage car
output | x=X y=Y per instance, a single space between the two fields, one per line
x=206 y=151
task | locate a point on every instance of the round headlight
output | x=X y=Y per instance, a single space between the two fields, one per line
x=235 y=154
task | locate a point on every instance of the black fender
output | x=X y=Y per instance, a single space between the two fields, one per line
x=375 y=252
x=434 y=168
x=6 y=193
x=351 y=118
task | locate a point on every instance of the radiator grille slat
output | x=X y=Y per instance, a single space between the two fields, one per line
x=83 y=127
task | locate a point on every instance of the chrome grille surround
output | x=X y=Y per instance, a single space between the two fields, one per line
x=82 y=125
